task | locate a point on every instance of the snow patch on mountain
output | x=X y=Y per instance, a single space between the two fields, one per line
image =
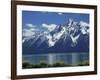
x=54 y=33
x=74 y=39
x=84 y=27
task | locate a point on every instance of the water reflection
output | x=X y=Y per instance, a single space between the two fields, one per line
x=51 y=58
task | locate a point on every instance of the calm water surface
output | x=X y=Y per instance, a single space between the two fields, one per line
x=67 y=58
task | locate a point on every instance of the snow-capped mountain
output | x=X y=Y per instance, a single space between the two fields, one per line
x=72 y=37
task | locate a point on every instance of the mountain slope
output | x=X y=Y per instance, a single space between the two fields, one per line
x=69 y=37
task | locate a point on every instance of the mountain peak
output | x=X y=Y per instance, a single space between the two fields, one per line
x=61 y=37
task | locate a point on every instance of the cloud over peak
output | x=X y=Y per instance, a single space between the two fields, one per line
x=49 y=27
x=30 y=25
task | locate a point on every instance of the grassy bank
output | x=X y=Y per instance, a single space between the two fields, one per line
x=44 y=64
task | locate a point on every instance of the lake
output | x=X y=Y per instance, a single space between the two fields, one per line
x=51 y=58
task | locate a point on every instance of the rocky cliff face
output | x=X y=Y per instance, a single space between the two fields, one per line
x=69 y=37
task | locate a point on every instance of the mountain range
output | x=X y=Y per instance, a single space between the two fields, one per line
x=71 y=36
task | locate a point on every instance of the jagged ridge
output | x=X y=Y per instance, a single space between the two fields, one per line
x=68 y=37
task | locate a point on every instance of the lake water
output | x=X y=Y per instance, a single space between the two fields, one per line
x=51 y=58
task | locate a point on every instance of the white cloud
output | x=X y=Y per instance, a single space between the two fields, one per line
x=50 y=27
x=34 y=29
x=60 y=13
x=28 y=32
x=30 y=25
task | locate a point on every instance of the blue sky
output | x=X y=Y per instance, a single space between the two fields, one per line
x=38 y=18
x=35 y=21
